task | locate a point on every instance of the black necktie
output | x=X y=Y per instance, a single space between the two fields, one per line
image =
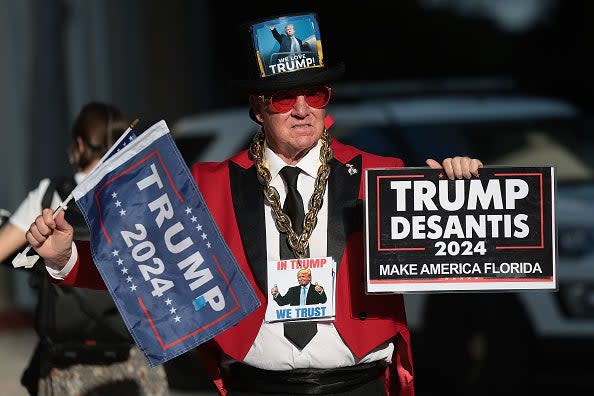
x=299 y=333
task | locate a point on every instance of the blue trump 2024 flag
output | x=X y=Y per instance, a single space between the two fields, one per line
x=158 y=249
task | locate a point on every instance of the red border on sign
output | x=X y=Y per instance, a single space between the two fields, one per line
x=458 y=280
x=379 y=248
x=541 y=246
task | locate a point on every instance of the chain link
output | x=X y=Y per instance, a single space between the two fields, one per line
x=298 y=243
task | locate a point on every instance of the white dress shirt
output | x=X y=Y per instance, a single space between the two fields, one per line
x=271 y=350
x=303 y=295
x=295 y=47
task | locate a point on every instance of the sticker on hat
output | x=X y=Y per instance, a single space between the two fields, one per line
x=287 y=44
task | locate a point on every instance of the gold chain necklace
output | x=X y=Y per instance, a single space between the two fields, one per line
x=298 y=243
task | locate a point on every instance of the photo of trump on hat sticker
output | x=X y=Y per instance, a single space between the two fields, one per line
x=287 y=44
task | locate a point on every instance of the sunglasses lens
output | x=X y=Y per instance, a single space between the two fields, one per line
x=317 y=97
x=282 y=102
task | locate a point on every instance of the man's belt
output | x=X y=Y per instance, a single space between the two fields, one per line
x=247 y=379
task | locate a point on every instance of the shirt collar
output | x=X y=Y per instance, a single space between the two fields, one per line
x=309 y=164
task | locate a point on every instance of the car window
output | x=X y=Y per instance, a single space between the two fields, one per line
x=192 y=147
x=560 y=143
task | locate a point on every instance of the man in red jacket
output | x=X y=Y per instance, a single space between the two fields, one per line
x=295 y=193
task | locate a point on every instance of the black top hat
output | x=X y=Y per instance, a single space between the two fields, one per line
x=285 y=52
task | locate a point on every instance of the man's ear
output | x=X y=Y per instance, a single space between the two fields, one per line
x=80 y=145
x=255 y=105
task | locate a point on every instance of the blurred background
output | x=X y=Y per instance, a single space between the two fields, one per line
x=507 y=81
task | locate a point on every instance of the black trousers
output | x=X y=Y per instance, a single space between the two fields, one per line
x=360 y=380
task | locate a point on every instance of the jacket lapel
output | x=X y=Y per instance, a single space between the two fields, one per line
x=344 y=207
x=248 y=202
x=344 y=212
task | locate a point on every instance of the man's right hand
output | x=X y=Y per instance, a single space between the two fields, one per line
x=51 y=238
x=274 y=291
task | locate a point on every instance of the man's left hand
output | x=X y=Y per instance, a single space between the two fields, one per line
x=457 y=167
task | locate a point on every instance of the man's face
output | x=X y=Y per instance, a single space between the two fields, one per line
x=289 y=30
x=303 y=278
x=291 y=134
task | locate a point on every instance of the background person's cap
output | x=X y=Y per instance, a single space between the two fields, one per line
x=272 y=66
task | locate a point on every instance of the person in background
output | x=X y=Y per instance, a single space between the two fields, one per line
x=52 y=370
x=259 y=198
x=95 y=129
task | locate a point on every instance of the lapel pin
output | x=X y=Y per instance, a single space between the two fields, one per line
x=352 y=170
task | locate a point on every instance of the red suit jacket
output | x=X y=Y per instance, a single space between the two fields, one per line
x=234 y=196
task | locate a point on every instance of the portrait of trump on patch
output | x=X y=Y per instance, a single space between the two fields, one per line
x=303 y=294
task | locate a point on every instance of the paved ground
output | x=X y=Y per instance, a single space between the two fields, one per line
x=16 y=346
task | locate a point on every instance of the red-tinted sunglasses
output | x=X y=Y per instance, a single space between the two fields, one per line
x=283 y=101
